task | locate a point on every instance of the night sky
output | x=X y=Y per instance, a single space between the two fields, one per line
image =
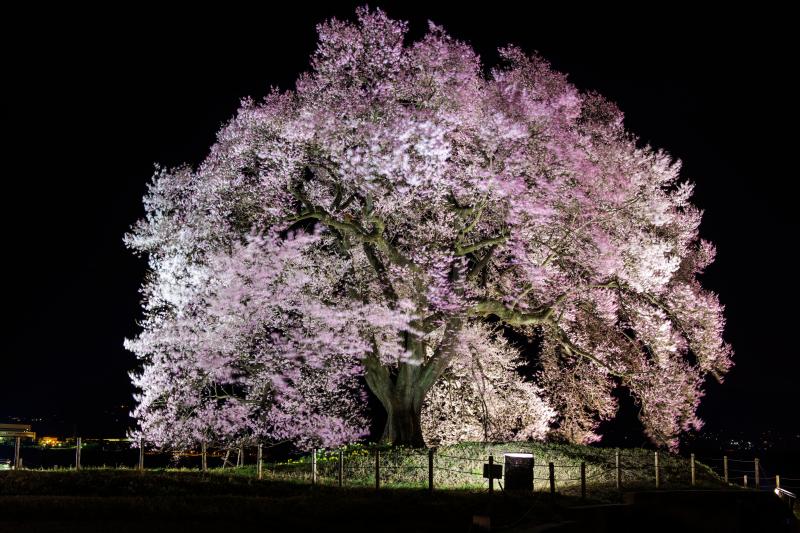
x=90 y=106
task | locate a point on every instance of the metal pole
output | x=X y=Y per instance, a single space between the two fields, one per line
x=141 y=454
x=341 y=468
x=377 y=469
x=260 y=461
x=17 y=458
x=693 y=469
x=491 y=478
x=618 y=468
x=431 y=451
x=583 y=480
x=78 y=453
x=758 y=479
x=658 y=479
x=725 y=467
x=552 y=469
x=314 y=466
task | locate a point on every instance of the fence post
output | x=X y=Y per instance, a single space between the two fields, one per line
x=313 y=466
x=758 y=479
x=78 y=453
x=431 y=451
x=377 y=469
x=693 y=469
x=141 y=454
x=777 y=481
x=658 y=478
x=583 y=480
x=618 y=468
x=260 y=459
x=341 y=468
x=744 y=480
x=204 y=456
x=725 y=467
x=552 y=469
x=17 y=458
x=491 y=478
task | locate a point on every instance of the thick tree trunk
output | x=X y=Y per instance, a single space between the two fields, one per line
x=401 y=396
x=403 y=392
x=403 y=422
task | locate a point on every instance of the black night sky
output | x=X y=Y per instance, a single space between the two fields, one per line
x=93 y=99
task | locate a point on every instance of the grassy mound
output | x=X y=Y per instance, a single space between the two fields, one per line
x=461 y=466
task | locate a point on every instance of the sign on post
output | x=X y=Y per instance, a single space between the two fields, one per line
x=492 y=471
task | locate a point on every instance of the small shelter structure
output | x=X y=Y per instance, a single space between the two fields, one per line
x=17 y=432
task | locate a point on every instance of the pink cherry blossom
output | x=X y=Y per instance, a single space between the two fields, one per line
x=365 y=228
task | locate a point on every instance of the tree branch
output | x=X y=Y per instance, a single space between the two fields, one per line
x=380 y=270
x=493 y=241
x=478 y=267
x=572 y=348
x=433 y=368
x=511 y=317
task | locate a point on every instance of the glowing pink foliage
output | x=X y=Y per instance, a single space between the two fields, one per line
x=421 y=198
x=481 y=397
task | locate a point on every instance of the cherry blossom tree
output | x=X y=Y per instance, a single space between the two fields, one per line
x=375 y=220
x=481 y=397
x=255 y=352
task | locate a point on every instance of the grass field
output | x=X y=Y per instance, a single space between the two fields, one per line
x=125 y=500
x=120 y=500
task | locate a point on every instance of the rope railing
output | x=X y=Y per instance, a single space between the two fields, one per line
x=442 y=469
x=460 y=457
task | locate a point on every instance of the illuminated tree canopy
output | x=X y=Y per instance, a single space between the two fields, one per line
x=383 y=223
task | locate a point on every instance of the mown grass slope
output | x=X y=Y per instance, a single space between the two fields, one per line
x=122 y=500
